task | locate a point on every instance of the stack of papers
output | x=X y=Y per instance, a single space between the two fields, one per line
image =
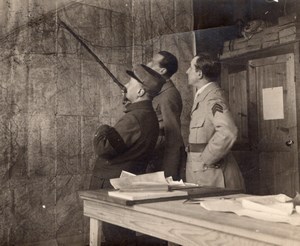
x=279 y=204
x=275 y=208
x=146 y=186
x=146 y=182
x=147 y=195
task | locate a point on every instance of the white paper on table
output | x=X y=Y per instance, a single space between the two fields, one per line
x=125 y=174
x=273 y=204
x=222 y=205
x=237 y=206
x=172 y=182
x=129 y=181
x=293 y=219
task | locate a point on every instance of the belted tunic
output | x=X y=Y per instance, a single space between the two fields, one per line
x=212 y=134
x=126 y=146
x=169 y=154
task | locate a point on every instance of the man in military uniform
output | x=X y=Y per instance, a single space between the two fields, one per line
x=129 y=144
x=169 y=155
x=212 y=130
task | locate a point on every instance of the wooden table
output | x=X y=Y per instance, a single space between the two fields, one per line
x=184 y=224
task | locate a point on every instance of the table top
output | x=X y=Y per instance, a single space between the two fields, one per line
x=194 y=214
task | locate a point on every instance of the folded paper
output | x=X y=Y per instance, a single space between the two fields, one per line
x=274 y=208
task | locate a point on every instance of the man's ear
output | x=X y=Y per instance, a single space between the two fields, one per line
x=200 y=74
x=141 y=92
x=162 y=71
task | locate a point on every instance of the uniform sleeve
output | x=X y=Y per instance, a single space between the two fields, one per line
x=225 y=132
x=171 y=108
x=111 y=141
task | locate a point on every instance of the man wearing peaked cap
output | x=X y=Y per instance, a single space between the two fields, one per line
x=129 y=144
x=150 y=80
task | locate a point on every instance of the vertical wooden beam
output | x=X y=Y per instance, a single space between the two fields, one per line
x=296 y=7
x=224 y=77
x=253 y=115
x=297 y=92
x=95 y=232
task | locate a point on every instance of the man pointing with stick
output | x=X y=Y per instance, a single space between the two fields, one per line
x=129 y=144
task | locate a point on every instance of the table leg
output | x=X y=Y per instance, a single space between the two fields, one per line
x=95 y=232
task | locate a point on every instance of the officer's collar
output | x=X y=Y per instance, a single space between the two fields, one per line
x=138 y=105
x=206 y=91
x=169 y=83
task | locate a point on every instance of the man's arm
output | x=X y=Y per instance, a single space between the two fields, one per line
x=171 y=108
x=112 y=141
x=225 y=132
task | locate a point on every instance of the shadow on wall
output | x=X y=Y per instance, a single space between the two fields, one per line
x=53 y=97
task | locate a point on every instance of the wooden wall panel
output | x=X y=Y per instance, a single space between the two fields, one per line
x=242 y=102
x=277 y=172
x=238 y=102
x=297 y=91
x=278 y=162
x=248 y=164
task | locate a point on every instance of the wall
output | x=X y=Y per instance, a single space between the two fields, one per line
x=53 y=97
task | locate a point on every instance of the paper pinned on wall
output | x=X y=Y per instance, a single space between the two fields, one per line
x=273 y=103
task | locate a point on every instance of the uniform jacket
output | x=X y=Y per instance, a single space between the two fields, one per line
x=170 y=153
x=128 y=145
x=212 y=125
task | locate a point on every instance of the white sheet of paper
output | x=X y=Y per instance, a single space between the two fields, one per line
x=130 y=180
x=235 y=205
x=273 y=103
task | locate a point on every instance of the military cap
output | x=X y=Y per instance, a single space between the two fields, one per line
x=151 y=80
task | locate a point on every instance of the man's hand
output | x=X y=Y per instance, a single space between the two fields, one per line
x=102 y=132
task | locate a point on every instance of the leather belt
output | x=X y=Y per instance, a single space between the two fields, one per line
x=194 y=147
